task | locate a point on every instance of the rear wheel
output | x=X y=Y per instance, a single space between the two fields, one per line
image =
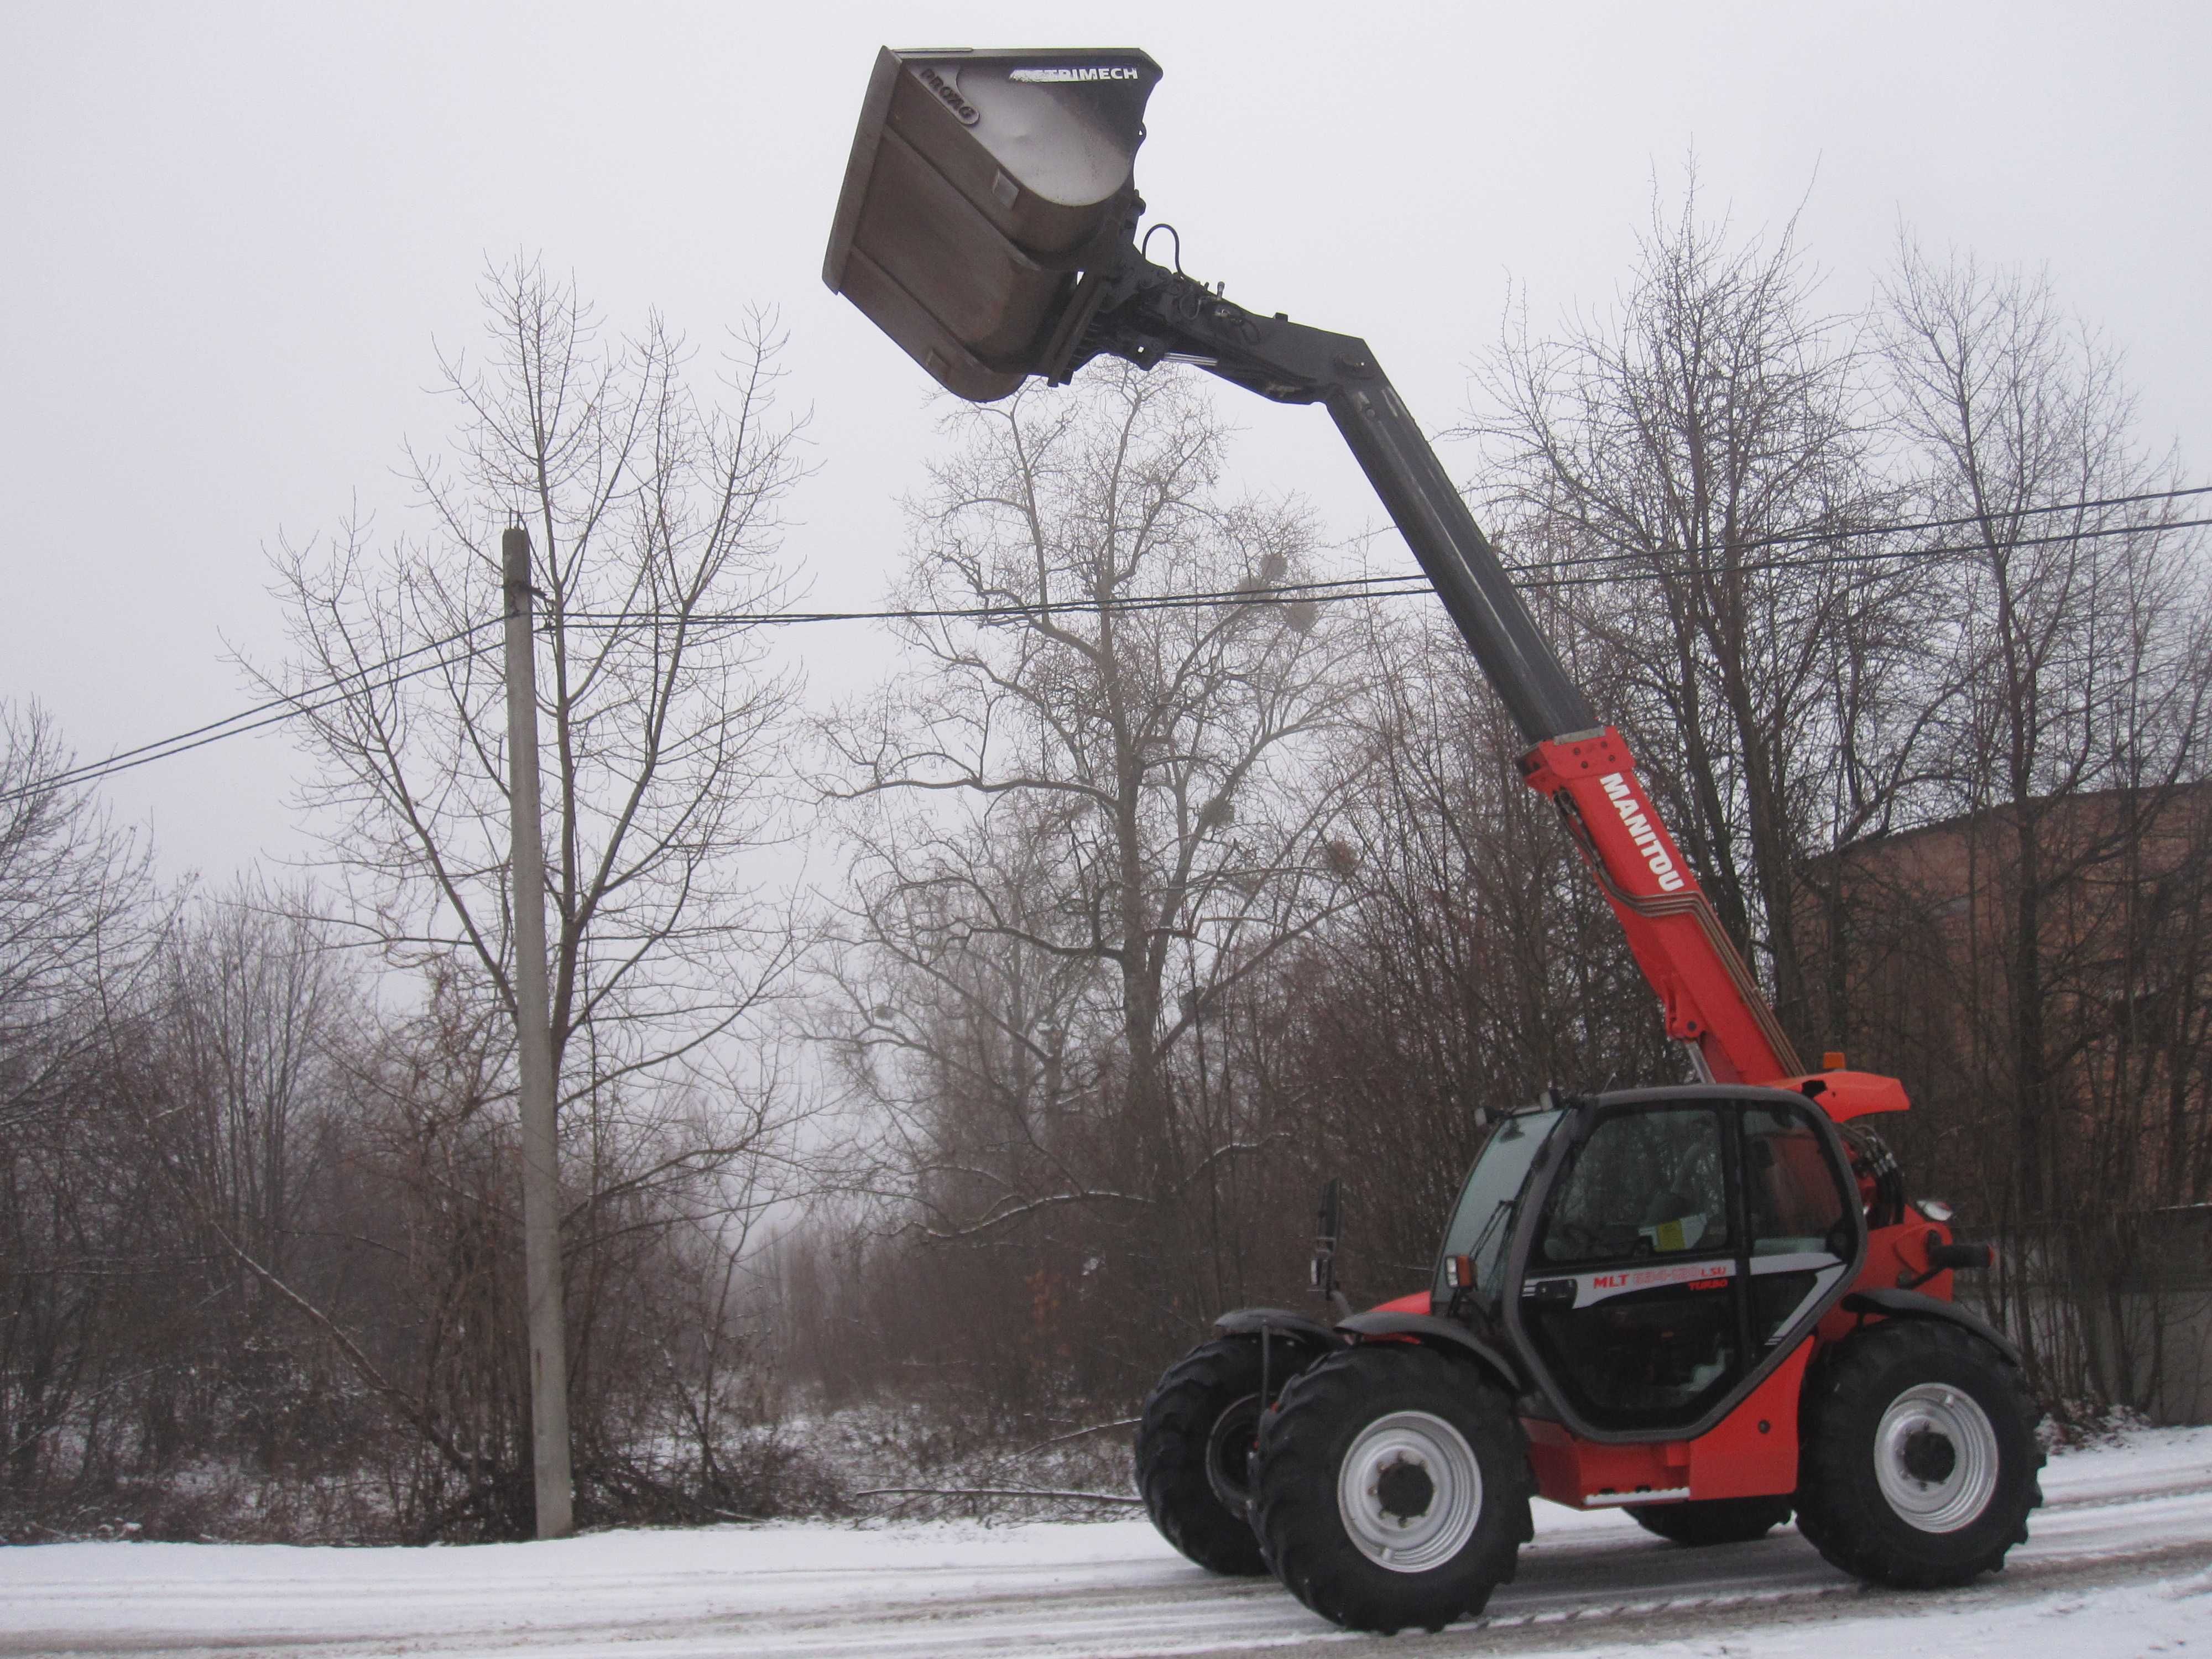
x=1194 y=1442
x=1713 y=1520
x=1391 y=1488
x=1919 y=1460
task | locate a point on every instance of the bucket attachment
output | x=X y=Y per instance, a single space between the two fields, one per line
x=982 y=184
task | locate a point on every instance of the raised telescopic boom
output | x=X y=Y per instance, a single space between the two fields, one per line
x=988 y=225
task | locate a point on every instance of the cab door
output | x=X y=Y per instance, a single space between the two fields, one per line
x=1686 y=1246
x=1631 y=1292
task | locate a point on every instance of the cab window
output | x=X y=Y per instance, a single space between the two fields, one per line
x=1794 y=1201
x=1645 y=1184
x=1482 y=1222
x=1796 y=1208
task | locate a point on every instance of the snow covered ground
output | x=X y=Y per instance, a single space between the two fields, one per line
x=2119 y=1564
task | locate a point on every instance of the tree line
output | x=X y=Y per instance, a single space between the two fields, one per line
x=1160 y=916
x=1170 y=879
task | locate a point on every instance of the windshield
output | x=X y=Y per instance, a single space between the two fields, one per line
x=1482 y=1225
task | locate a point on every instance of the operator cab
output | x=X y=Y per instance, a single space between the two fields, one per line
x=1651 y=1255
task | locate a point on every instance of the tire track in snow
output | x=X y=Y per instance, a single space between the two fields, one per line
x=1123 y=1607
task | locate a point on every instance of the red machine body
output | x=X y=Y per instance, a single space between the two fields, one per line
x=1712 y=1004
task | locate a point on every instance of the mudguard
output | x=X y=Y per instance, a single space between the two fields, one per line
x=1279 y=1323
x=1911 y=1304
x=1429 y=1331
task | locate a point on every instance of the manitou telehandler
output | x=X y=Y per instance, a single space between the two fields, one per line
x=1710 y=1304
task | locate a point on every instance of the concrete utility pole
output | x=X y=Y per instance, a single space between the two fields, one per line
x=533 y=1042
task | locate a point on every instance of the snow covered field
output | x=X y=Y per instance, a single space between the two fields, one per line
x=2120 y=1564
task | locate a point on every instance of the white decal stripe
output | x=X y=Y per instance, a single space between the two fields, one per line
x=1803 y=1262
x=1590 y=1288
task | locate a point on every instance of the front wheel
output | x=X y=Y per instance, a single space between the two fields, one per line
x=1391 y=1488
x=1919 y=1457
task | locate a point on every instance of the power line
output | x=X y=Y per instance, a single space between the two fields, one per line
x=1901 y=527
x=276 y=711
x=1888 y=555
x=1817 y=537
x=62 y=779
x=1390 y=586
x=1539 y=572
x=1349 y=587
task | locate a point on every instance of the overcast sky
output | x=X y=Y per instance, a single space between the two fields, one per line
x=229 y=235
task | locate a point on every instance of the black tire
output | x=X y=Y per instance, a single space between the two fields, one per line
x=1712 y=1520
x=1383 y=1409
x=1192 y=1446
x=1918 y=1459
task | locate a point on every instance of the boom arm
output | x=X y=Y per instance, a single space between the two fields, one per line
x=1138 y=311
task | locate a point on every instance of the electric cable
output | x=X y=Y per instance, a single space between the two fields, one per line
x=1904 y=527
x=274 y=712
x=1889 y=555
x=1539 y=572
x=1390 y=585
x=1844 y=534
x=285 y=703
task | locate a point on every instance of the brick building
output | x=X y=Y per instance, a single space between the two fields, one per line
x=2040 y=976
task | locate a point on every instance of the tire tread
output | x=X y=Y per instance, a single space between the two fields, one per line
x=1172 y=1434
x=1839 y=1509
x=1302 y=1535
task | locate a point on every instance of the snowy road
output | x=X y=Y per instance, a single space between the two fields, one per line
x=2120 y=1562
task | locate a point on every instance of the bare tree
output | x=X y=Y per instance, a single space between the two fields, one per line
x=1698 y=465
x=77 y=916
x=2075 y=759
x=1472 y=961
x=1084 y=820
x=655 y=513
x=254 y=1003
x=80 y=922
x=2078 y=631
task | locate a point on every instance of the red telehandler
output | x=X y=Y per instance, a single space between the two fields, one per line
x=1711 y=1305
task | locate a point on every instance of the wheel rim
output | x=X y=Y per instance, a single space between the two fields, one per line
x=1410 y=1491
x=1227 y=1449
x=1935 y=1456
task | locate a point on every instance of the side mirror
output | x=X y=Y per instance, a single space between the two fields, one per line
x=980 y=184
